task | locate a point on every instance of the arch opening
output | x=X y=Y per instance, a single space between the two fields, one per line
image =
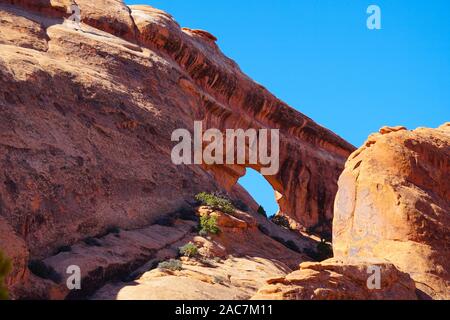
x=261 y=190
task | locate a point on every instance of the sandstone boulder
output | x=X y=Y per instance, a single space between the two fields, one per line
x=339 y=280
x=394 y=203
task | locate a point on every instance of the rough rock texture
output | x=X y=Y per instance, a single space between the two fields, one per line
x=230 y=265
x=87 y=117
x=114 y=256
x=235 y=263
x=339 y=280
x=310 y=156
x=229 y=279
x=15 y=249
x=394 y=203
x=392 y=210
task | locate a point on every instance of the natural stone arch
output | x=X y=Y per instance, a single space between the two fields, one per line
x=304 y=188
x=217 y=92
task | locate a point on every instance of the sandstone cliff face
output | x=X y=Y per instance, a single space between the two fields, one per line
x=87 y=117
x=99 y=105
x=310 y=156
x=394 y=203
x=392 y=210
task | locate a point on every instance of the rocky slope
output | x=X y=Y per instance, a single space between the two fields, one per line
x=392 y=210
x=231 y=265
x=87 y=117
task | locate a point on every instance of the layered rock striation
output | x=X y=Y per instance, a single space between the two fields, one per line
x=87 y=116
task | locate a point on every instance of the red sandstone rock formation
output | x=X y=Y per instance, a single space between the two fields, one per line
x=231 y=265
x=335 y=279
x=394 y=203
x=393 y=206
x=15 y=249
x=87 y=116
x=311 y=156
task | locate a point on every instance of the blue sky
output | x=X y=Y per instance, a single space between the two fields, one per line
x=319 y=57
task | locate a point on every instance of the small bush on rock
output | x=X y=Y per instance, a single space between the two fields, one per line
x=216 y=202
x=208 y=225
x=189 y=250
x=172 y=265
x=220 y=280
x=282 y=221
x=262 y=211
x=324 y=250
x=263 y=230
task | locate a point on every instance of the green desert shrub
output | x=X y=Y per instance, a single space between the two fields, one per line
x=208 y=225
x=282 y=221
x=216 y=202
x=172 y=265
x=262 y=211
x=220 y=279
x=324 y=250
x=5 y=268
x=189 y=250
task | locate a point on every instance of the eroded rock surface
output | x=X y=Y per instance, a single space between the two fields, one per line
x=339 y=280
x=232 y=265
x=87 y=117
x=392 y=210
x=394 y=203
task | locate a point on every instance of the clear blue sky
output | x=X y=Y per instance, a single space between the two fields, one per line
x=319 y=57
